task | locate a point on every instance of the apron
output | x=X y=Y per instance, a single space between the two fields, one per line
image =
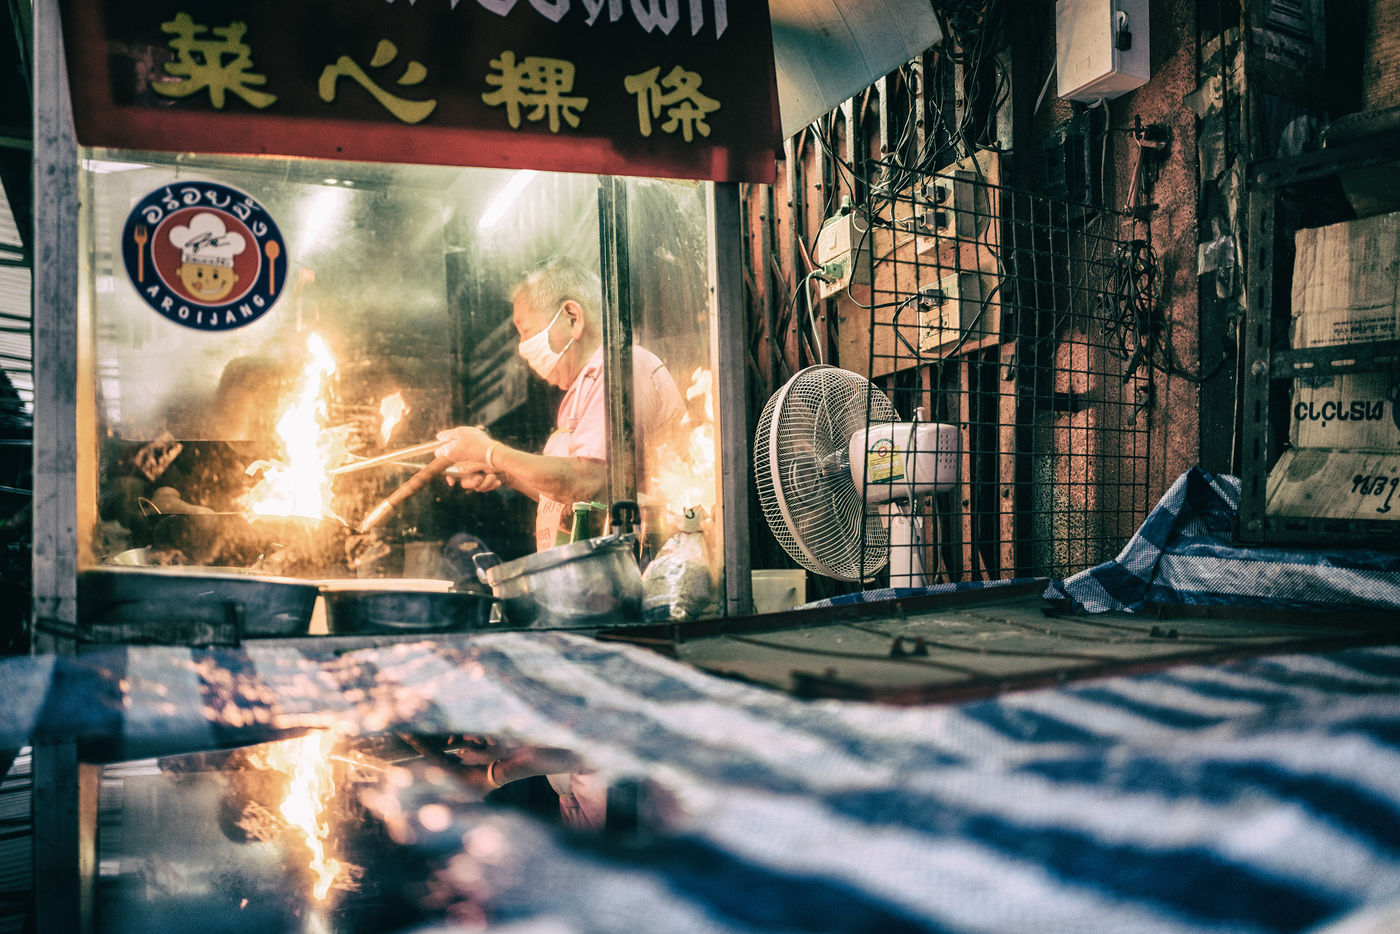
x=549 y=519
x=554 y=520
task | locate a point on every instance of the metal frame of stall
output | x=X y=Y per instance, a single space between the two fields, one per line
x=65 y=472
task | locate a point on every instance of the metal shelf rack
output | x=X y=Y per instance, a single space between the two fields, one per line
x=1285 y=195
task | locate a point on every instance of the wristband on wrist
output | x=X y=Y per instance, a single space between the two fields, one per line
x=491 y=456
x=491 y=774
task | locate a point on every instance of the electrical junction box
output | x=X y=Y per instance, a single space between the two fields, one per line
x=959 y=311
x=845 y=240
x=841 y=247
x=1101 y=48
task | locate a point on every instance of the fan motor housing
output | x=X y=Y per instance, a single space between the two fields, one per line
x=898 y=460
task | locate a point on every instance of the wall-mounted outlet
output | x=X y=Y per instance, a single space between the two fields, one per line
x=950 y=309
x=838 y=251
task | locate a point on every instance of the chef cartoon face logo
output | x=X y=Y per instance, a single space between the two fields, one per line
x=204 y=255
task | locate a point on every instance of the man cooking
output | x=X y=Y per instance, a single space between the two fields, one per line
x=557 y=309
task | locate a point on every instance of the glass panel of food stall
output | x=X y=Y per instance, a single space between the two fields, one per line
x=264 y=325
x=671 y=317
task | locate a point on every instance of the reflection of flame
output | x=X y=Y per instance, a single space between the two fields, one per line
x=299 y=486
x=392 y=409
x=306 y=760
x=686 y=478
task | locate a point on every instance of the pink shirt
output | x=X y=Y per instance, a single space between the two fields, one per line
x=581 y=426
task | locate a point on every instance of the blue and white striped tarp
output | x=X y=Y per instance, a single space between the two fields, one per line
x=1183 y=553
x=1254 y=796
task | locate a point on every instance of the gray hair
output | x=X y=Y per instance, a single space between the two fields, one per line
x=558 y=280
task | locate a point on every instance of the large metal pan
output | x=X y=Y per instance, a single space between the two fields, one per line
x=376 y=607
x=189 y=605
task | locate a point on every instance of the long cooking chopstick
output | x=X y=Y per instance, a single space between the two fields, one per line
x=425 y=448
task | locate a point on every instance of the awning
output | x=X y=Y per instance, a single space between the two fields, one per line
x=628 y=89
x=829 y=50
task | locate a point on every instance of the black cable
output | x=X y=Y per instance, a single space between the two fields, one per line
x=1131 y=320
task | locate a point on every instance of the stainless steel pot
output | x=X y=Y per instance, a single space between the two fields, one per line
x=585 y=584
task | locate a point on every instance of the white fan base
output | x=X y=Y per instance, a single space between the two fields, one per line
x=906 y=553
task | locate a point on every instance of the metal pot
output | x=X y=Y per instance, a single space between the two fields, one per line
x=190 y=606
x=584 y=584
x=403 y=606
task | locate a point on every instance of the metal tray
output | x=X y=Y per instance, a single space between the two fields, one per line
x=189 y=605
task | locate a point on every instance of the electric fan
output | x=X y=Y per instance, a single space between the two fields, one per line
x=836 y=470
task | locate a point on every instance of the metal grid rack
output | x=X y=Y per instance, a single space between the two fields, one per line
x=1030 y=324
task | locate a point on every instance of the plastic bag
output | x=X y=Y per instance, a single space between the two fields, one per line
x=677 y=583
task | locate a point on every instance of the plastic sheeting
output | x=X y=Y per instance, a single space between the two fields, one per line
x=1183 y=553
x=1256 y=796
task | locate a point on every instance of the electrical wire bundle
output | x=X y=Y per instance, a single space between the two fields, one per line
x=1135 y=332
x=961 y=66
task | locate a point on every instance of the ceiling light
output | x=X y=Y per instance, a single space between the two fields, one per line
x=505 y=198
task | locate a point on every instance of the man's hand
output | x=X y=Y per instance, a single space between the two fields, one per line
x=463 y=444
x=473 y=476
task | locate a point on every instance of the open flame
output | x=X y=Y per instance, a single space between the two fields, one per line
x=684 y=479
x=298 y=485
x=392 y=409
x=307 y=762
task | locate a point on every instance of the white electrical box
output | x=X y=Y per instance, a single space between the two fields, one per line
x=1101 y=48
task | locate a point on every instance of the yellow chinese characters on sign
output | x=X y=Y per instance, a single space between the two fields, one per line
x=201 y=64
x=409 y=111
x=539 y=83
x=678 y=94
x=646 y=90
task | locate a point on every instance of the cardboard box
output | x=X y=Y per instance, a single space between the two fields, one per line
x=1345 y=279
x=1380 y=67
x=1345 y=427
x=1350 y=410
x=1324 y=483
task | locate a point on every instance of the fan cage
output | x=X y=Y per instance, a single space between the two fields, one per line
x=803 y=473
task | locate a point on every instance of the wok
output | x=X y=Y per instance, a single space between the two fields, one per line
x=363 y=607
x=236 y=540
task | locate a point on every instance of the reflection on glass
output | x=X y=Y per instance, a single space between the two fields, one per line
x=328 y=833
x=678 y=483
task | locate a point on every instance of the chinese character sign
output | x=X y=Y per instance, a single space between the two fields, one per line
x=537 y=83
x=680 y=88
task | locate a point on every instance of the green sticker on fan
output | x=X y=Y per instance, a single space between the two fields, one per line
x=883 y=464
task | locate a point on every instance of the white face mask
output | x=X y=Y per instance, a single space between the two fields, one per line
x=537 y=352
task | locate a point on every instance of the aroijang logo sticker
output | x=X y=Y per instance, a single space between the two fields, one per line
x=204 y=255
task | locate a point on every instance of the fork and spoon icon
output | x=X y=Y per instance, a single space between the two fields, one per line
x=140 y=235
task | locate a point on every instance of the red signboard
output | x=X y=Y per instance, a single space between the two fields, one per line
x=676 y=88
